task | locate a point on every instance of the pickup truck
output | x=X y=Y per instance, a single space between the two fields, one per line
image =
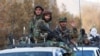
x=33 y=51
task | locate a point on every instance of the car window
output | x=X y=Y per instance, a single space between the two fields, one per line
x=27 y=54
x=84 y=53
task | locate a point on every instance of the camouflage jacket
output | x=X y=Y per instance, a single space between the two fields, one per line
x=32 y=24
x=65 y=35
x=39 y=28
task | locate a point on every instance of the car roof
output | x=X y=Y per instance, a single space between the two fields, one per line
x=29 y=49
x=87 y=48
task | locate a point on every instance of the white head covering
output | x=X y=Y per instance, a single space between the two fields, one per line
x=93 y=32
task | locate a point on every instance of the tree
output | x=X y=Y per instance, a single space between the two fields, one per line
x=14 y=15
x=78 y=22
x=3 y=22
x=90 y=17
x=44 y=3
x=55 y=15
x=65 y=13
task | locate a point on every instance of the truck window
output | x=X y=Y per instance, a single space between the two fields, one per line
x=84 y=53
x=27 y=54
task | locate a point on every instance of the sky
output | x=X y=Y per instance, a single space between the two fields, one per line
x=73 y=5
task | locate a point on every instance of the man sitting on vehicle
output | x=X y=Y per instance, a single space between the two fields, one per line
x=94 y=37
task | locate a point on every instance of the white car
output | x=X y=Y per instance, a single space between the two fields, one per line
x=87 y=51
x=33 y=51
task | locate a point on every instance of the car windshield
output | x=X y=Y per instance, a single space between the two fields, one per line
x=27 y=54
x=84 y=53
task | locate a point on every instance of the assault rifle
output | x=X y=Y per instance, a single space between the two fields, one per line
x=67 y=40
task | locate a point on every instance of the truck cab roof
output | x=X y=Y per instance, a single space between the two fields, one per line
x=28 y=49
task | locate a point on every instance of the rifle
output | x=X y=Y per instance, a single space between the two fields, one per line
x=59 y=36
x=68 y=42
x=43 y=27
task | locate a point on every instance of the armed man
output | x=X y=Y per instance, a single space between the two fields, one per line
x=83 y=38
x=62 y=30
x=42 y=27
x=62 y=34
x=38 y=11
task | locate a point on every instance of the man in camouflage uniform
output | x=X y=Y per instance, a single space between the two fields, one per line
x=62 y=34
x=74 y=35
x=47 y=17
x=42 y=27
x=38 y=11
x=83 y=38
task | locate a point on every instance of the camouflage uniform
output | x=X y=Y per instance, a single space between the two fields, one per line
x=33 y=23
x=35 y=28
x=74 y=35
x=45 y=25
x=63 y=35
x=42 y=28
x=83 y=39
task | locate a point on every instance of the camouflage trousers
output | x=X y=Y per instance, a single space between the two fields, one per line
x=60 y=44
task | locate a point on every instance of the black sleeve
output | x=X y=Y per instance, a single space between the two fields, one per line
x=56 y=35
x=43 y=27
